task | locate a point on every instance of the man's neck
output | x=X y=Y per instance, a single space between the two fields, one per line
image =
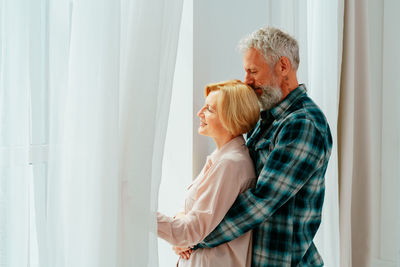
x=288 y=84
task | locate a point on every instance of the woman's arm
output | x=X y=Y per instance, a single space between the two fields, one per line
x=214 y=197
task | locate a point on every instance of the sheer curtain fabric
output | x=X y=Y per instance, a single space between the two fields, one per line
x=104 y=69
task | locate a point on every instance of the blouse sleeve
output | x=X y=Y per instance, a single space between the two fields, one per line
x=215 y=195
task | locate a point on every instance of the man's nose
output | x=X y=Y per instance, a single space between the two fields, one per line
x=248 y=79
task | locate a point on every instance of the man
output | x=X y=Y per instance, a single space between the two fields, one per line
x=290 y=147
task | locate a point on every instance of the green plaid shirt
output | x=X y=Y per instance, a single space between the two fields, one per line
x=290 y=147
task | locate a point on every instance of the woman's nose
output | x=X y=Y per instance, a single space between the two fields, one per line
x=200 y=113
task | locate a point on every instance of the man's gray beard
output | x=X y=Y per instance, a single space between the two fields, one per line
x=270 y=97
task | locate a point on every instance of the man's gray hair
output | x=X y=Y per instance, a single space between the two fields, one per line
x=273 y=44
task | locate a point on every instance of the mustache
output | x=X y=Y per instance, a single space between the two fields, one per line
x=255 y=87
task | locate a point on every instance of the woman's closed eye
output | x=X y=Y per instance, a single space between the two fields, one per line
x=210 y=109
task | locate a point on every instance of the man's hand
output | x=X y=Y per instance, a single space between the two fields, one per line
x=183 y=252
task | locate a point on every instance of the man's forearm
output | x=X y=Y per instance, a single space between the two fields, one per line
x=239 y=220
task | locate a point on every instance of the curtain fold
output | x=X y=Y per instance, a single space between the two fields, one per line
x=15 y=173
x=146 y=80
x=354 y=133
x=83 y=160
x=324 y=40
x=107 y=74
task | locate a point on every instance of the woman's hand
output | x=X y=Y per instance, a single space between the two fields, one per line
x=183 y=252
x=179 y=215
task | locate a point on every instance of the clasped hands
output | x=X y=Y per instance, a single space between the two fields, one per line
x=183 y=252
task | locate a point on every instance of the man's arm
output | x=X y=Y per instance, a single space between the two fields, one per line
x=298 y=153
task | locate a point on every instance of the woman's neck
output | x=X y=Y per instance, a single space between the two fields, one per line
x=222 y=140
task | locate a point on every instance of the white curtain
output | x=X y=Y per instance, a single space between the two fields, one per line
x=324 y=45
x=85 y=92
x=15 y=173
x=177 y=160
x=355 y=152
x=152 y=38
x=369 y=134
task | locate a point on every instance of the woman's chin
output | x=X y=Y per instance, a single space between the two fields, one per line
x=202 y=131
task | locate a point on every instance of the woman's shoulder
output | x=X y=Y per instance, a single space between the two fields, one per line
x=239 y=168
x=239 y=155
x=236 y=157
x=238 y=161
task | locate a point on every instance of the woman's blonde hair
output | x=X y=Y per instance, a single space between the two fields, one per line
x=237 y=105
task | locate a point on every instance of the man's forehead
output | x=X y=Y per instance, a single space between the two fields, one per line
x=253 y=57
x=252 y=52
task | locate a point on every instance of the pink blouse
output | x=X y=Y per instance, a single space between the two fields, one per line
x=227 y=173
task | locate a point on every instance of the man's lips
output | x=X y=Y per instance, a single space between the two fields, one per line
x=258 y=91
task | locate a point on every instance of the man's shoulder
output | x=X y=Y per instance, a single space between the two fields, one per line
x=306 y=110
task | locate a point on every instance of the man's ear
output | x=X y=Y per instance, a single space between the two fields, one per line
x=283 y=66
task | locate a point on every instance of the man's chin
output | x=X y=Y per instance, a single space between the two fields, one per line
x=270 y=97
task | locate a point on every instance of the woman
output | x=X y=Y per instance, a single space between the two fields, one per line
x=231 y=109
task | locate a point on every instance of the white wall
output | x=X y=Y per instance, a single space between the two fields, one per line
x=217 y=28
x=384 y=57
x=390 y=217
x=375 y=26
